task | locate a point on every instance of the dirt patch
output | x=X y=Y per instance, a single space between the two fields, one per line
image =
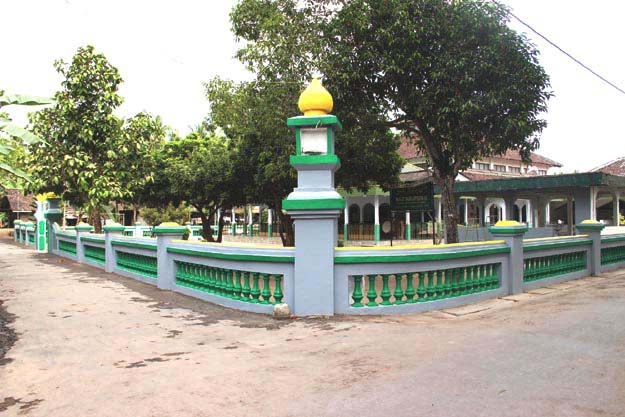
x=7 y=335
x=25 y=406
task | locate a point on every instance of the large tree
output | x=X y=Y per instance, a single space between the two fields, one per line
x=282 y=48
x=91 y=157
x=450 y=75
x=198 y=171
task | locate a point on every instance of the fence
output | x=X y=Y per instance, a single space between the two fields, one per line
x=368 y=280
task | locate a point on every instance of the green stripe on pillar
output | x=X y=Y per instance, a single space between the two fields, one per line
x=376 y=232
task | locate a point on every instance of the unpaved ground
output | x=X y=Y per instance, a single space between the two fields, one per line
x=94 y=344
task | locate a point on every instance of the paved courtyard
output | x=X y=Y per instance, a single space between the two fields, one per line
x=95 y=344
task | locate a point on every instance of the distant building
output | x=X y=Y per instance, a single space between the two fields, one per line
x=17 y=205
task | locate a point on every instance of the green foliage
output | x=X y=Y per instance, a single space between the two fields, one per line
x=450 y=75
x=169 y=213
x=197 y=170
x=13 y=138
x=91 y=157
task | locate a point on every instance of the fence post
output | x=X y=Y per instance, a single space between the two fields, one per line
x=16 y=230
x=593 y=229
x=165 y=234
x=512 y=233
x=314 y=205
x=80 y=250
x=111 y=231
x=29 y=229
x=40 y=238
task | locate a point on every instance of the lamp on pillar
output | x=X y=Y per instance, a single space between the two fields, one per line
x=314 y=204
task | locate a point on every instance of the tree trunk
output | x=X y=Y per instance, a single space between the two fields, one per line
x=220 y=223
x=207 y=232
x=287 y=232
x=95 y=219
x=450 y=212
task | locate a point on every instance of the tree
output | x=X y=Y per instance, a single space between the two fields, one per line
x=144 y=134
x=448 y=74
x=197 y=171
x=282 y=47
x=90 y=157
x=13 y=138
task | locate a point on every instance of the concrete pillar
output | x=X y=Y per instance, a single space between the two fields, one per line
x=508 y=213
x=40 y=239
x=548 y=212
x=111 y=231
x=616 y=208
x=376 y=219
x=250 y=221
x=269 y=222
x=165 y=234
x=593 y=229
x=529 y=213
x=81 y=229
x=16 y=230
x=233 y=223
x=481 y=205
x=53 y=214
x=315 y=206
x=439 y=213
x=569 y=214
x=466 y=211
x=408 y=226
x=346 y=222
x=512 y=233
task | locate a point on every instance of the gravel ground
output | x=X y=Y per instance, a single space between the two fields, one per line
x=96 y=344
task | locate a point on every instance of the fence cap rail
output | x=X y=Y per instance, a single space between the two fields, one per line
x=423 y=246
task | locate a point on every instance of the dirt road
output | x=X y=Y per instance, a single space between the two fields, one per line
x=96 y=344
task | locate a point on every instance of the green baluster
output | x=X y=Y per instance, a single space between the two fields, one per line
x=420 y=288
x=209 y=279
x=440 y=285
x=246 y=286
x=398 y=293
x=277 y=291
x=236 y=288
x=431 y=288
x=386 y=292
x=495 y=277
x=266 y=293
x=470 y=270
x=372 y=294
x=410 y=291
x=255 y=288
x=357 y=293
x=448 y=286
x=455 y=282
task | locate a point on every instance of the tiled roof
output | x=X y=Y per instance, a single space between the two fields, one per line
x=476 y=176
x=18 y=201
x=409 y=150
x=616 y=167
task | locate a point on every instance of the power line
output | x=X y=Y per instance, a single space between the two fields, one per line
x=577 y=61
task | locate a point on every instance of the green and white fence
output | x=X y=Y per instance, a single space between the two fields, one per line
x=377 y=280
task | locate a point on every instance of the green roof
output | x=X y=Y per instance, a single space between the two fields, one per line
x=587 y=179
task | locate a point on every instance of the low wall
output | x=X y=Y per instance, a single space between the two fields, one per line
x=367 y=280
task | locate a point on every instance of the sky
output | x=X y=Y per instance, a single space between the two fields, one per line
x=166 y=50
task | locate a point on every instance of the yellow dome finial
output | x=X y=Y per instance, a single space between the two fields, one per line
x=315 y=100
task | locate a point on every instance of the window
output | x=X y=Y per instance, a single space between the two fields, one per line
x=542 y=172
x=482 y=166
x=514 y=170
x=500 y=168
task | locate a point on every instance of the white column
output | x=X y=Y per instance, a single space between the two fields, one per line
x=440 y=211
x=466 y=211
x=616 y=208
x=407 y=217
x=529 y=213
x=269 y=216
x=593 y=203
x=548 y=213
x=346 y=215
x=376 y=212
x=504 y=211
x=217 y=218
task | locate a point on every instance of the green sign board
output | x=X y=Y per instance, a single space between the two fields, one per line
x=418 y=198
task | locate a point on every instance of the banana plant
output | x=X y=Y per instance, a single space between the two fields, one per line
x=12 y=130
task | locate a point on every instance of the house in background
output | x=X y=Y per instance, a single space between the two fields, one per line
x=17 y=205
